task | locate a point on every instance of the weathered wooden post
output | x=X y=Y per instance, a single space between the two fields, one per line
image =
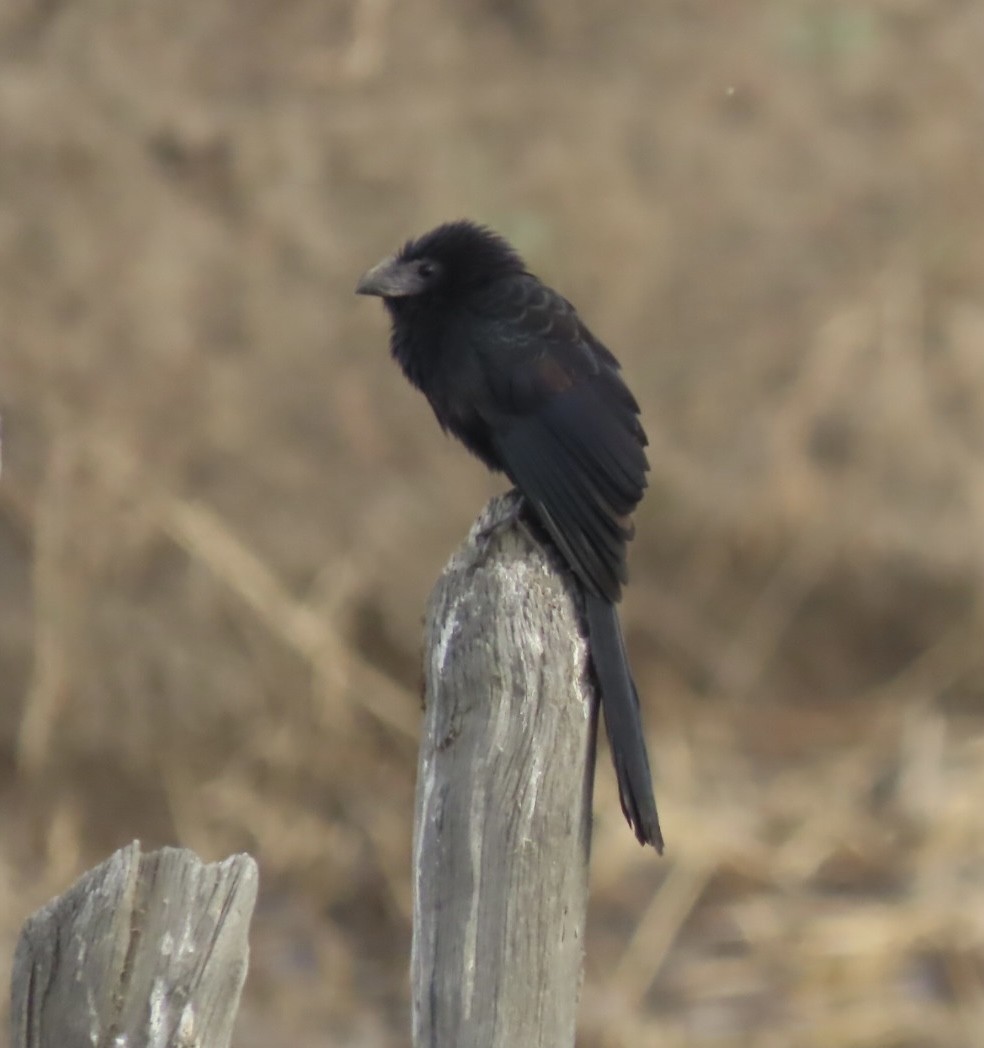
x=144 y=950
x=503 y=810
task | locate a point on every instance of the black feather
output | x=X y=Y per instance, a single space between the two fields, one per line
x=510 y=369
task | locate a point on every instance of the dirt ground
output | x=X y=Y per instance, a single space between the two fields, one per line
x=221 y=508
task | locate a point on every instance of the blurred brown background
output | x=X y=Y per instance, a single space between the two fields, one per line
x=222 y=508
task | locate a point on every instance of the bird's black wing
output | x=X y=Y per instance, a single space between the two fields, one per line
x=565 y=428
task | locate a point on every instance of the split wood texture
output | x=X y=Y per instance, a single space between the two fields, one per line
x=503 y=807
x=144 y=951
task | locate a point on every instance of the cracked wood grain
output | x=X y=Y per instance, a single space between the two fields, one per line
x=503 y=806
x=144 y=951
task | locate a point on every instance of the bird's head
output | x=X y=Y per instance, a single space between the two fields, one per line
x=449 y=259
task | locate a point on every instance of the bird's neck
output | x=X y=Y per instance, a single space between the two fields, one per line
x=416 y=341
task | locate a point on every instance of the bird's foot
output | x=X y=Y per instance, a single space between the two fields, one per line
x=513 y=516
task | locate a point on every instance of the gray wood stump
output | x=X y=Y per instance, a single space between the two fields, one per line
x=144 y=950
x=503 y=809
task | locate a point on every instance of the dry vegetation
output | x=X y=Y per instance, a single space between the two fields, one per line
x=221 y=509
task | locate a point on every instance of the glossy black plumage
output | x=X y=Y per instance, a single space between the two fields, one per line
x=511 y=371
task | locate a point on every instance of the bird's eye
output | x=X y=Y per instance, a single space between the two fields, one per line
x=426 y=269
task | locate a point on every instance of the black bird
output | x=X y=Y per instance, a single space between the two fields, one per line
x=511 y=370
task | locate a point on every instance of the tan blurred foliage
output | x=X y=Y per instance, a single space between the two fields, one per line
x=222 y=509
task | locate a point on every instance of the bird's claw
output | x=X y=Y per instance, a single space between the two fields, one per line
x=514 y=516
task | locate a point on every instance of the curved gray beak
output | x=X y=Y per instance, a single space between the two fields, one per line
x=390 y=278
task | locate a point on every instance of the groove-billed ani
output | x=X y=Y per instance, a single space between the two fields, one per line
x=512 y=372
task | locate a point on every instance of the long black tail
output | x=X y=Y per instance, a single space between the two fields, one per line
x=620 y=701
